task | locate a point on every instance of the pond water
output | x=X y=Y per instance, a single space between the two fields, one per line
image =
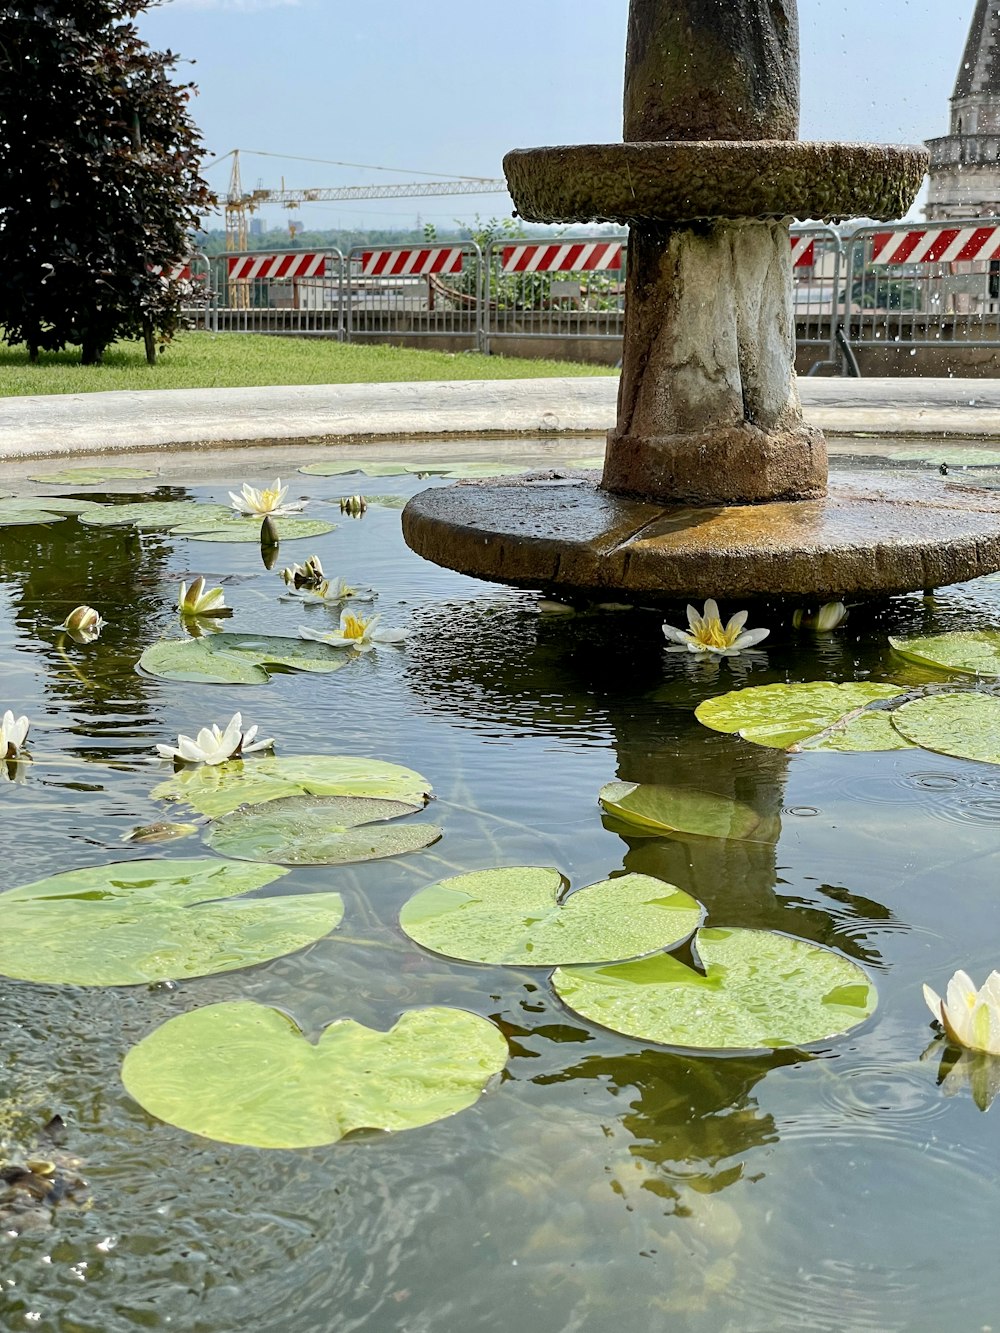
x=601 y=1182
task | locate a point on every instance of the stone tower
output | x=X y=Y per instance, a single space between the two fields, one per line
x=965 y=163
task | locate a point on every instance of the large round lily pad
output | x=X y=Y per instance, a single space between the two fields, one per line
x=760 y=990
x=654 y=809
x=966 y=724
x=216 y=789
x=230 y=658
x=143 y=921
x=320 y=830
x=969 y=652
x=24 y=510
x=233 y=528
x=93 y=475
x=245 y=1073
x=200 y=522
x=522 y=917
x=784 y=715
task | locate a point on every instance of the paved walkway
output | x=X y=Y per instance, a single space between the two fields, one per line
x=129 y=420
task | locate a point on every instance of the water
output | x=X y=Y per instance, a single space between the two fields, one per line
x=603 y=1183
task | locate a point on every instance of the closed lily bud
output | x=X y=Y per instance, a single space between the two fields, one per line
x=83 y=624
x=828 y=617
x=353 y=504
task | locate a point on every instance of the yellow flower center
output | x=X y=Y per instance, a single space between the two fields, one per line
x=713 y=635
x=268 y=498
x=354 y=627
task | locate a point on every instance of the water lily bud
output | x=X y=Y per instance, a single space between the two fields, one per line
x=84 y=624
x=828 y=617
x=353 y=505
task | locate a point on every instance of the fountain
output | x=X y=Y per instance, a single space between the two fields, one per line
x=712 y=481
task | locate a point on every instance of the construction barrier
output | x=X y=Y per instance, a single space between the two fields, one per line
x=294 y=291
x=560 y=289
x=817 y=261
x=421 y=292
x=921 y=285
x=197 y=291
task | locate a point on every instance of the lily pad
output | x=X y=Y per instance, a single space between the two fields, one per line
x=784 y=715
x=320 y=830
x=217 y=789
x=969 y=652
x=966 y=725
x=25 y=513
x=654 y=809
x=245 y=1073
x=154 y=515
x=235 y=529
x=472 y=468
x=759 y=990
x=523 y=917
x=143 y=921
x=93 y=476
x=955 y=457
x=238 y=659
x=343 y=466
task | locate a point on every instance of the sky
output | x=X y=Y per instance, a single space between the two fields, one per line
x=446 y=89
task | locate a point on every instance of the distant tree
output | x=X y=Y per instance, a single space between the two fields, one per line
x=99 y=183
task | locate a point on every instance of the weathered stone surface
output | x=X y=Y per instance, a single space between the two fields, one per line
x=698 y=69
x=874 y=534
x=708 y=409
x=683 y=182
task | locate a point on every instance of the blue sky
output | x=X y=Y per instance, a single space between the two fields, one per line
x=447 y=88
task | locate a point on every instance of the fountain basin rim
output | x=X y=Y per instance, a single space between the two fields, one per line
x=873 y=535
x=707 y=180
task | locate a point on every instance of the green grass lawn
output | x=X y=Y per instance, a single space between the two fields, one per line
x=235 y=360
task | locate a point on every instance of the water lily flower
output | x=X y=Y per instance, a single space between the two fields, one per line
x=83 y=624
x=309 y=575
x=353 y=505
x=214 y=746
x=330 y=592
x=265 y=502
x=355 y=632
x=970 y=1017
x=828 y=617
x=707 y=634
x=13 y=732
x=195 y=601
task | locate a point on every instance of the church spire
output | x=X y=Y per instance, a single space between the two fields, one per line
x=979 y=73
x=965 y=163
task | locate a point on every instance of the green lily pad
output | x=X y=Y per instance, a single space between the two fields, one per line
x=473 y=468
x=954 y=457
x=969 y=652
x=154 y=515
x=523 y=917
x=760 y=990
x=93 y=476
x=783 y=715
x=966 y=725
x=238 y=659
x=245 y=1073
x=25 y=513
x=320 y=830
x=143 y=921
x=344 y=466
x=217 y=789
x=233 y=528
x=654 y=809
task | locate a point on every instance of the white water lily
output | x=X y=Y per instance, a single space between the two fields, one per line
x=970 y=1017
x=707 y=634
x=828 y=617
x=195 y=601
x=265 y=503
x=331 y=592
x=309 y=575
x=83 y=624
x=215 y=746
x=13 y=732
x=355 y=632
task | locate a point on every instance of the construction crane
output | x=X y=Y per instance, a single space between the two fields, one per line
x=240 y=203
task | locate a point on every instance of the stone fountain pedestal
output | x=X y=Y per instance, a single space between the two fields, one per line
x=713 y=485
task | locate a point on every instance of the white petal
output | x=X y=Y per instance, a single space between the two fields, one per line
x=737 y=622
x=390 y=635
x=259 y=745
x=750 y=637
x=673 y=635
x=695 y=621
x=933 y=1002
x=711 y=611
x=188 y=750
x=19 y=733
x=317 y=636
x=169 y=752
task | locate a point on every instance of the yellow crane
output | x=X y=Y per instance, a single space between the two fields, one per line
x=240 y=203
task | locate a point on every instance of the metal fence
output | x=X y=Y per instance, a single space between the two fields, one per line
x=902 y=285
x=432 y=291
x=564 y=289
x=921 y=285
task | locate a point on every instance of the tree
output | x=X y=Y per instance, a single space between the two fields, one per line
x=99 y=183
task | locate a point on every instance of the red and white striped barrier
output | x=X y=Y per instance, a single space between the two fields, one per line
x=566 y=257
x=938 y=245
x=244 y=267
x=803 y=251
x=410 y=263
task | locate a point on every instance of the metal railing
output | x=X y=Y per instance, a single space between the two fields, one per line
x=416 y=291
x=904 y=285
x=919 y=285
x=571 y=288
